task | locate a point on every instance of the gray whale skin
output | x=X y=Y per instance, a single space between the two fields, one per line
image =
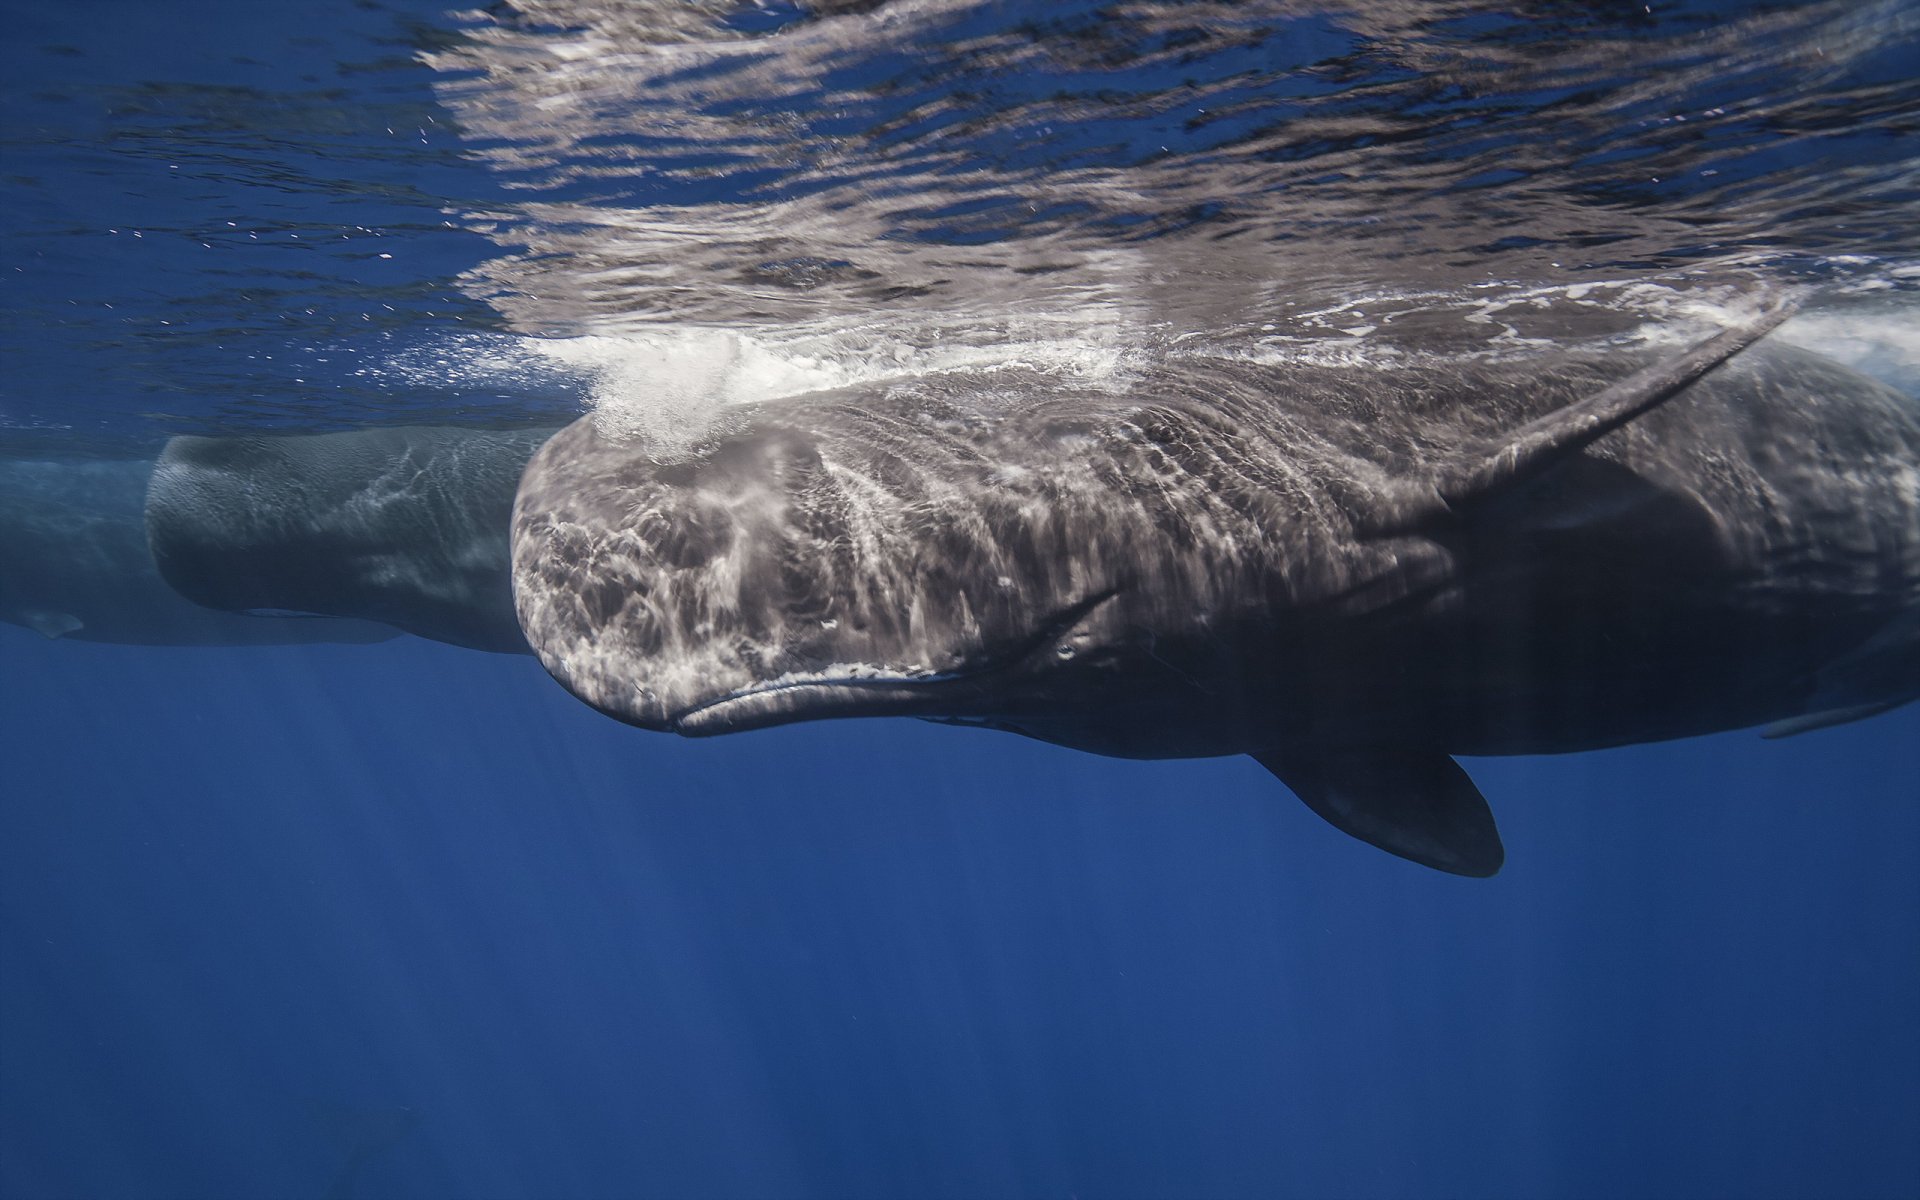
x=1351 y=575
x=404 y=526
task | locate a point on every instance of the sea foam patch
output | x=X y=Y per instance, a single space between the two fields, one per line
x=668 y=390
x=1883 y=343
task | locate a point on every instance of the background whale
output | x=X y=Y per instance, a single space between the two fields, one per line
x=74 y=564
x=1351 y=573
x=405 y=526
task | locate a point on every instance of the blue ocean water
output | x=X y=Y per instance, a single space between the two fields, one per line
x=400 y=919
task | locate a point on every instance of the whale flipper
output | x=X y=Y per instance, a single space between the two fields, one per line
x=1418 y=804
x=50 y=625
x=1827 y=719
x=1874 y=677
x=1536 y=446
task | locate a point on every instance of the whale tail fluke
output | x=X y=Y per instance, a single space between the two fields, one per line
x=1418 y=804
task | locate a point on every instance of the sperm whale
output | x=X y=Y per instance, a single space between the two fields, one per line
x=1351 y=574
x=405 y=526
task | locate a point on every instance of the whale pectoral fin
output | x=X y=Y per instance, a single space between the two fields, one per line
x=1417 y=804
x=1874 y=677
x=1828 y=718
x=52 y=624
x=1538 y=445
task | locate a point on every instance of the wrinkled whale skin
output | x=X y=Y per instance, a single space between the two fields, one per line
x=1234 y=557
x=404 y=526
x=1690 y=572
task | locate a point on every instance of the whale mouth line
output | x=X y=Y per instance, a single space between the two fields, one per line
x=786 y=701
x=766 y=705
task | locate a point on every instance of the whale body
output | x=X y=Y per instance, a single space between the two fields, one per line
x=74 y=564
x=405 y=526
x=1352 y=574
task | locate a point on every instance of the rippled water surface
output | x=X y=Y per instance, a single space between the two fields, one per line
x=218 y=217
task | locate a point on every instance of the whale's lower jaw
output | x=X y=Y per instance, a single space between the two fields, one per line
x=853 y=689
x=808 y=700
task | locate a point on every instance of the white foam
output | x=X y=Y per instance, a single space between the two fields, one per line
x=1883 y=344
x=667 y=389
x=470 y=361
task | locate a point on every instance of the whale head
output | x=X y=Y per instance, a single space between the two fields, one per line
x=772 y=578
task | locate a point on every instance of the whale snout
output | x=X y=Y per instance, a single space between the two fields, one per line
x=766 y=583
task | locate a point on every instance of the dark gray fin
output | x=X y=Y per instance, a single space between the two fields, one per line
x=1828 y=718
x=1417 y=804
x=1874 y=677
x=51 y=625
x=1539 y=444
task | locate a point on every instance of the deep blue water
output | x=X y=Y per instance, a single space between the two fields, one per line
x=893 y=959
x=406 y=920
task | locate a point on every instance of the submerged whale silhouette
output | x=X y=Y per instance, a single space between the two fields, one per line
x=75 y=564
x=1351 y=574
x=406 y=526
